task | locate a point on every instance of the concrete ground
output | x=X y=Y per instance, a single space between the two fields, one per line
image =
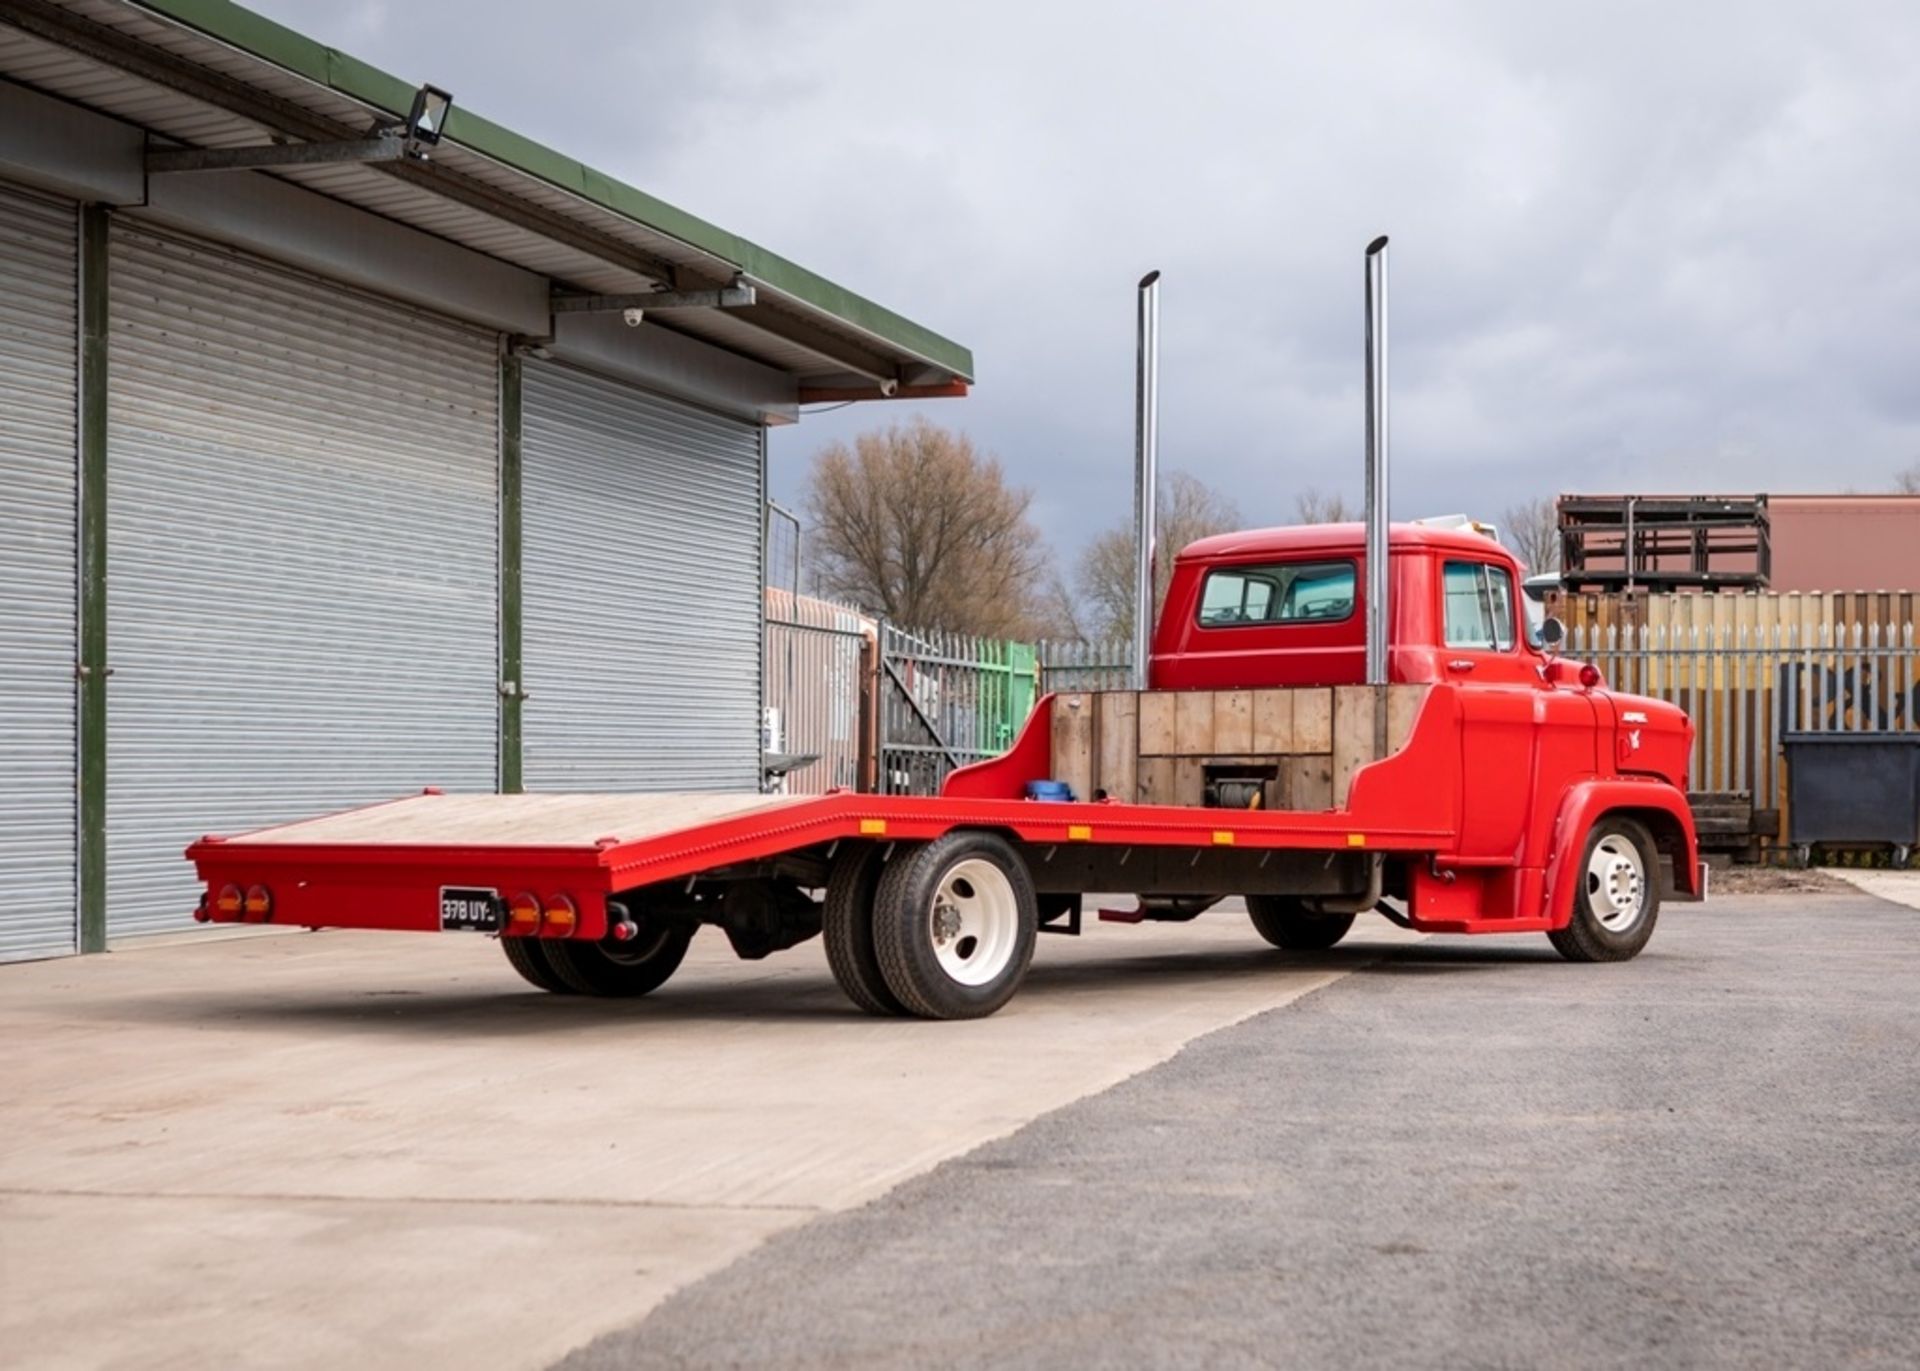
x=384 y=1150
x=1466 y=1154
x=307 y=1150
x=1901 y=887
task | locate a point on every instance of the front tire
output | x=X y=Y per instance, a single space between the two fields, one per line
x=1617 y=900
x=616 y=970
x=954 y=925
x=1294 y=925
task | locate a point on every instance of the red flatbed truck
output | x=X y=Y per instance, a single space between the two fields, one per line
x=1338 y=720
x=1518 y=795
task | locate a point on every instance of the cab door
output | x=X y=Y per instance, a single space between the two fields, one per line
x=1500 y=685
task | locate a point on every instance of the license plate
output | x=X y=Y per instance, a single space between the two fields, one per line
x=467 y=910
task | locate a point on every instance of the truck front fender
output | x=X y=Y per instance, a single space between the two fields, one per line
x=1662 y=808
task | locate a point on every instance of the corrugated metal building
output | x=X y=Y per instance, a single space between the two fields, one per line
x=328 y=471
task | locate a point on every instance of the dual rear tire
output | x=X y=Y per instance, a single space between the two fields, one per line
x=608 y=969
x=942 y=930
x=1294 y=925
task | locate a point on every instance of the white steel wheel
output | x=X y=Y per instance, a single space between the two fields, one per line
x=954 y=925
x=1616 y=882
x=974 y=921
x=1616 y=894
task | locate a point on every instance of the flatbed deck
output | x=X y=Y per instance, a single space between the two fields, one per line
x=383 y=866
x=509 y=821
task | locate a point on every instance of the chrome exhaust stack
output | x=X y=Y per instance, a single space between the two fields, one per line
x=1146 y=470
x=1378 y=527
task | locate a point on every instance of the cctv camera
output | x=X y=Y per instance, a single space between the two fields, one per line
x=633 y=317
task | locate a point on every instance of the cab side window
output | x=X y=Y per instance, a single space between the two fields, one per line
x=1479 y=606
x=1292 y=593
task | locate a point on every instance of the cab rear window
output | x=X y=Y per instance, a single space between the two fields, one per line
x=1289 y=593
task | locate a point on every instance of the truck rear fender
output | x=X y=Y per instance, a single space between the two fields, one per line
x=1661 y=808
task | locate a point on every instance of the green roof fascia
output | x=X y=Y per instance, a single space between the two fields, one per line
x=273 y=42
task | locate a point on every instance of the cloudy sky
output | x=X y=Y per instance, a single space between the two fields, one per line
x=1652 y=246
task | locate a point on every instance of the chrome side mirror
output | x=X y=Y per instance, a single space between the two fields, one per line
x=1552 y=634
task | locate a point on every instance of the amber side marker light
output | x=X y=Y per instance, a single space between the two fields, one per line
x=229 y=902
x=523 y=916
x=560 y=917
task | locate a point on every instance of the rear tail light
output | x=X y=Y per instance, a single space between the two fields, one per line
x=523 y=916
x=259 y=903
x=229 y=903
x=559 y=917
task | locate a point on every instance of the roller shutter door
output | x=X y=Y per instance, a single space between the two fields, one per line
x=302 y=531
x=641 y=575
x=38 y=512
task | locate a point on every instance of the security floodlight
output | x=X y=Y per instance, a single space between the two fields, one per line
x=428 y=118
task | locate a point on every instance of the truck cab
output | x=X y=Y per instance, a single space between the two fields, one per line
x=1286 y=607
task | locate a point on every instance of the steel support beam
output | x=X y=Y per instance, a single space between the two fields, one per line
x=91 y=669
x=170 y=161
x=830 y=347
x=729 y=297
x=818 y=395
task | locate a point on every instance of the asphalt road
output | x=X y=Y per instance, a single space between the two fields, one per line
x=1469 y=1154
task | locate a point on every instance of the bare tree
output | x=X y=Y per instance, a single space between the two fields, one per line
x=1189 y=509
x=1315 y=506
x=1908 y=482
x=1532 y=530
x=913 y=523
x=1061 y=617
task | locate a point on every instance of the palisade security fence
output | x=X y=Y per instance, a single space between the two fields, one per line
x=818 y=669
x=895 y=710
x=947 y=699
x=1085 y=666
x=1745 y=685
x=884 y=708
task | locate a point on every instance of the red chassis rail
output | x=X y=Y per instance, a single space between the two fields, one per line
x=1407 y=804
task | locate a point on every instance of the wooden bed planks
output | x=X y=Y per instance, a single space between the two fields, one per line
x=516 y=820
x=1073 y=742
x=1154 y=747
x=1117 y=728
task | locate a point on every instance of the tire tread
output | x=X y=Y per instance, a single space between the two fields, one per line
x=847 y=930
x=926 y=993
x=526 y=956
x=587 y=971
x=1289 y=925
x=1582 y=939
